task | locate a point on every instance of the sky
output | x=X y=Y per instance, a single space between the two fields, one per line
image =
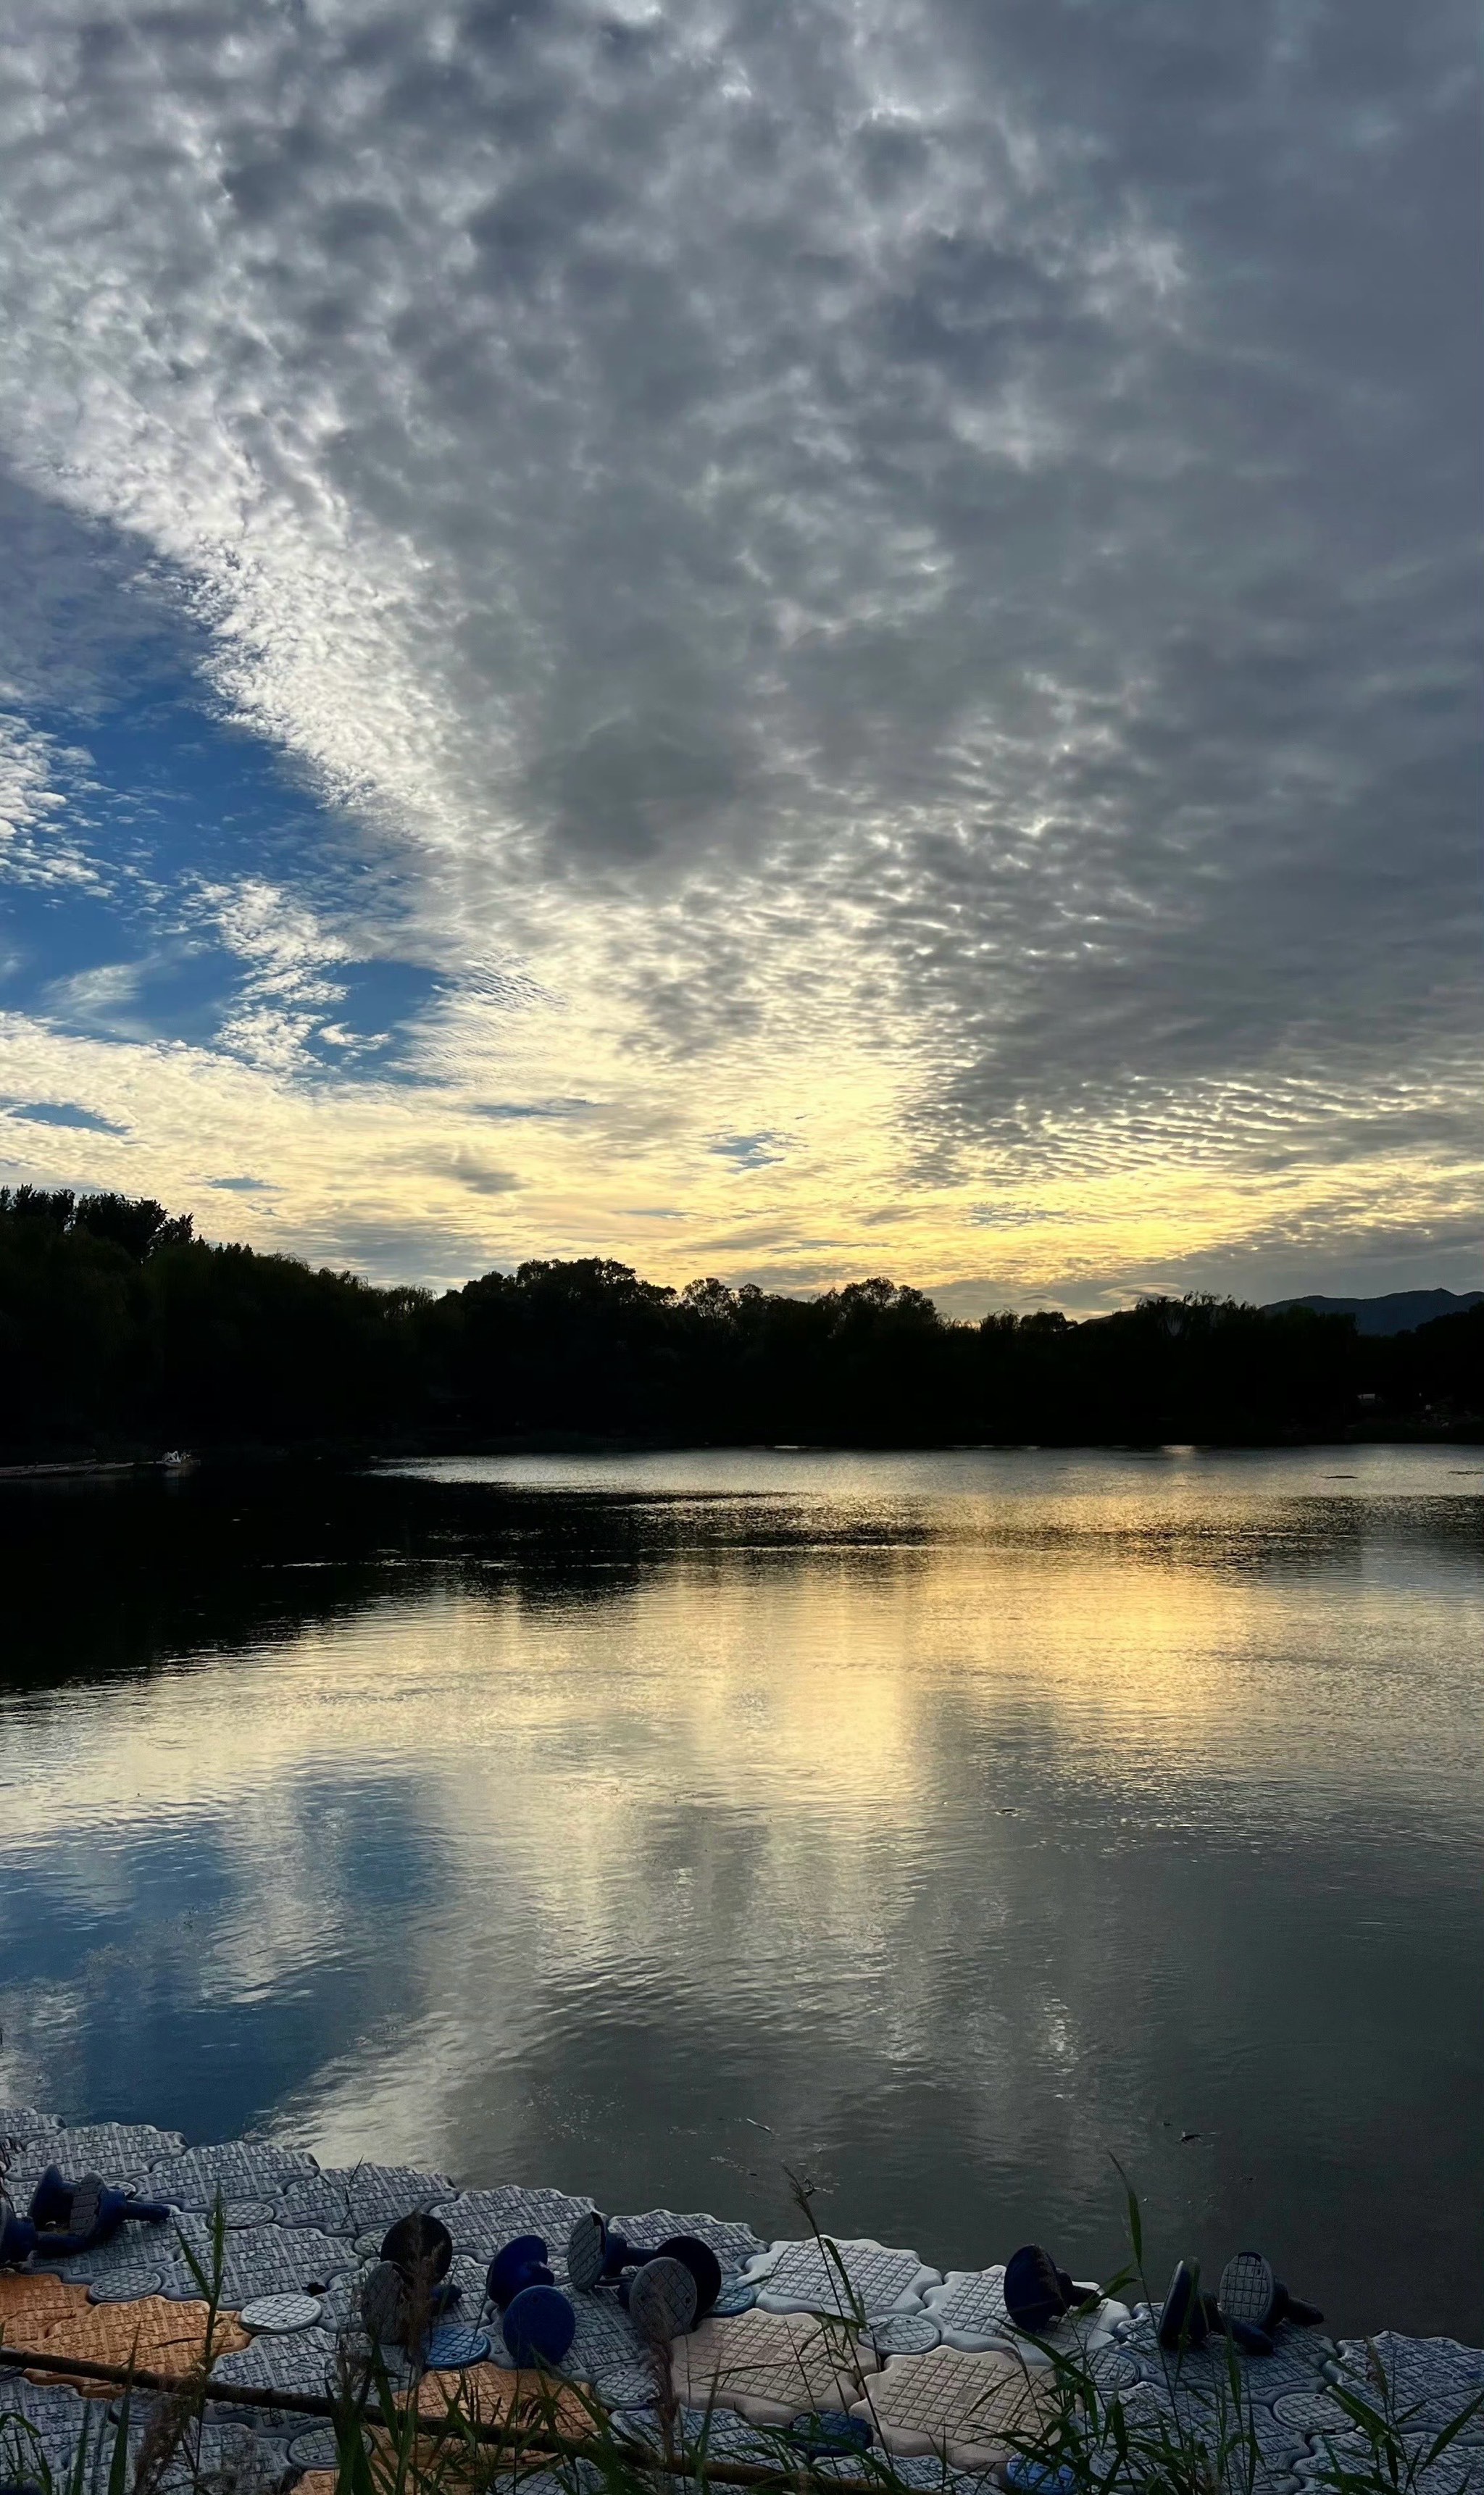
x=781 y=641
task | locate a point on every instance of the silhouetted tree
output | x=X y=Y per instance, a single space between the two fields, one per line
x=118 y=1325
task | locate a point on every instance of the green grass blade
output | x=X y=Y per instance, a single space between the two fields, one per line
x=1456 y=2427
x=118 y=2464
x=192 y=2265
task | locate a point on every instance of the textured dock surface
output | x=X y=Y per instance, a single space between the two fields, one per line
x=299 y=2231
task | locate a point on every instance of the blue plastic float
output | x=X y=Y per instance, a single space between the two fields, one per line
x=1036 y=2293
x=66 y=2218
x=828 y=2433
x=536 y=2320
x=539 y=2326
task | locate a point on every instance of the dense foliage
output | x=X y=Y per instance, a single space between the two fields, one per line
x=118 y=1326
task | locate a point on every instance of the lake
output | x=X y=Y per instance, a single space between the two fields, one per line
x=938 y=1828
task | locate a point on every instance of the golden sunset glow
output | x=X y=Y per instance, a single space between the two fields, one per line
x=757 y=698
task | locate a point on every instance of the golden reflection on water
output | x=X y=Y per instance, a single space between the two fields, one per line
x=952 y=1777
x=818 y=1678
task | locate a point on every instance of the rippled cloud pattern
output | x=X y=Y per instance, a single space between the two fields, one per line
x=787 y=642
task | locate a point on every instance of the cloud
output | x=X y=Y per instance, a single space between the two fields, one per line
x=102 y=998
x=520 y=1109
x=895 y=576
x=35 y=777
x=471 y=1170
x=750 y=1152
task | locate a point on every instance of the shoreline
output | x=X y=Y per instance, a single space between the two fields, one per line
x=299 y=2231
x=373 y=1456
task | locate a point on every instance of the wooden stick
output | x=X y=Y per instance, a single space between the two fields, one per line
x=539 y=2440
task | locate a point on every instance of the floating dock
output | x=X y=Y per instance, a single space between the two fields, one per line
x=936 y=2364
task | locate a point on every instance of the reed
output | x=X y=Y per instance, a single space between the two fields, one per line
x=426 y=2435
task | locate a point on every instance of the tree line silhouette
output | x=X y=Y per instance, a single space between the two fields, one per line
x=120 y=1331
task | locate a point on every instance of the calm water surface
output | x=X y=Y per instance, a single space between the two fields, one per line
x=936 y=1827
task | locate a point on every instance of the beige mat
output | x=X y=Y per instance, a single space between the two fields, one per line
x=489 y=2395
x=492 y=2396
x=769 y=2367
x=958 y=2405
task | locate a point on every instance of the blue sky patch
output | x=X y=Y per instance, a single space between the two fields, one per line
x=64 y=1113
x=750 y=1152
x=172 y=815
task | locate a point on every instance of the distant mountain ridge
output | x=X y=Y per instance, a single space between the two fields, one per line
x=1394 y=1313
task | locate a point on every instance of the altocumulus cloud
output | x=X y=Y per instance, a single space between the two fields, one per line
x=898 y=575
